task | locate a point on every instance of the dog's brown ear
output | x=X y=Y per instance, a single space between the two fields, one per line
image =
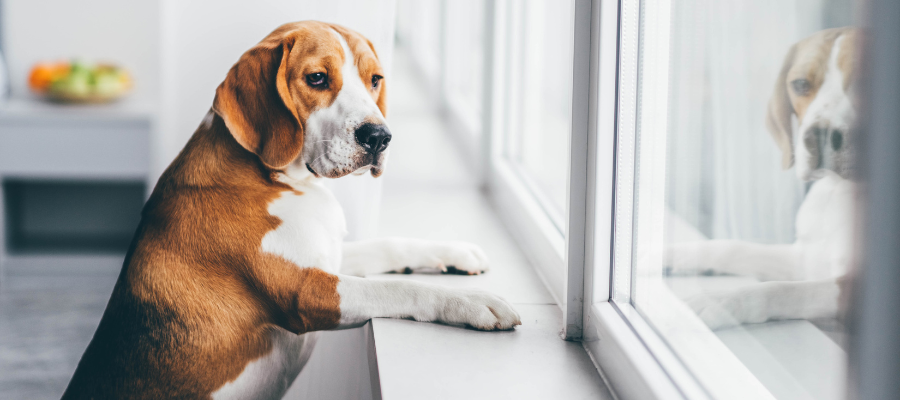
x=778 y=120
x=256 y=105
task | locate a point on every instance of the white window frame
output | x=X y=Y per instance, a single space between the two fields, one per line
x=635 y=360
x=554 y=251
x=578 y=265
x=639 y=360
x=557 y=253
x=513 y=196
x=516 y=199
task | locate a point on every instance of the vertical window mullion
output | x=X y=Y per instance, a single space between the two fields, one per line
x=626 y=120
x=577 y=225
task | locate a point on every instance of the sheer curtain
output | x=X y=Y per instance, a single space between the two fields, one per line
x=724 y=172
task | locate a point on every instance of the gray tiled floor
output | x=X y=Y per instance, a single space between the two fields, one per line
x=45 y=325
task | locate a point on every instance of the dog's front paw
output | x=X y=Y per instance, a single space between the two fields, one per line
x=480 y=310
x=728 y=309
x=714 y=314
x=457 y=258
x=680 y=258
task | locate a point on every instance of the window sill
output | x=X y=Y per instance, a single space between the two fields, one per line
x=792 y=359
x=450 y=362
x=447 y=362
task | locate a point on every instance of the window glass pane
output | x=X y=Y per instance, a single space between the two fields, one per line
x=464 y=58
x=419 y=28
x=539 y=97
x=743 y=193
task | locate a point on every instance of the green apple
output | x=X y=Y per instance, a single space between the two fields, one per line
x=107 y=83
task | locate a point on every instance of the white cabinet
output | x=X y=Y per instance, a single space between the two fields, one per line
x=65 y=149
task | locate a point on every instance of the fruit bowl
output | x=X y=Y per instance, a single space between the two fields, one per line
x=78 y=82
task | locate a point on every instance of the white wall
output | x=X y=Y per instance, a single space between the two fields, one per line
x=126 y=32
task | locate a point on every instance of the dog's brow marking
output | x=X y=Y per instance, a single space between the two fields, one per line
x=833 y=76
x=346 y=47
x=349 y=66
x=355 y=86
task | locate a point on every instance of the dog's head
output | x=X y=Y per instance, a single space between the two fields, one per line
x=815 y=87
x=309 y=95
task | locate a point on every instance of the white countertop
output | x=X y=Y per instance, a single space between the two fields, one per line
x=31 y=108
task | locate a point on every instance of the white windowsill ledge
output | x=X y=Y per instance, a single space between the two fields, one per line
x=418 y=360
x=447 y=362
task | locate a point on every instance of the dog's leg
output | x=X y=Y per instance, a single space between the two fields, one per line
x=306 y=299
x=363 y=299
x=378 y=256
x=768 y=301
x=764 y=261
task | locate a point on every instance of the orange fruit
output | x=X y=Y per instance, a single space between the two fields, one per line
x=43 y=74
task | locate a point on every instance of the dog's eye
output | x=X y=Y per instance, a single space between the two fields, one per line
x=801 y=86
x=317 y=79
x=375 y=80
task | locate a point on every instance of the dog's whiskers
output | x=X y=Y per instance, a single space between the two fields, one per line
x=317 y=158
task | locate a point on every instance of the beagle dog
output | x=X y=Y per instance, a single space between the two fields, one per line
x=811 y=116
x=239 y=257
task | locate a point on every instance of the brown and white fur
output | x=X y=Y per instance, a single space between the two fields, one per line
x=811 y=116
x=239 y=257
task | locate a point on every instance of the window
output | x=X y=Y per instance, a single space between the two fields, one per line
x=419 y=28
x=716 y=269
x=447 y=43
x=530 y=121
x=538 y=98
x=669 y=172
x=464 y=25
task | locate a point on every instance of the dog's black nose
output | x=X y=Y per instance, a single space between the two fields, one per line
x=373 y=137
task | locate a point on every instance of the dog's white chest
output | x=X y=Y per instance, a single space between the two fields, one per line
x=312 y=226
x=825 y=227
x=270 y=376
x=310 y=235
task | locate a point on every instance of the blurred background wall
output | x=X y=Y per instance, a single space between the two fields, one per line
x=126 y=32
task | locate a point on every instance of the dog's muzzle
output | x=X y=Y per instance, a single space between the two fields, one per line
x=828 y=148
